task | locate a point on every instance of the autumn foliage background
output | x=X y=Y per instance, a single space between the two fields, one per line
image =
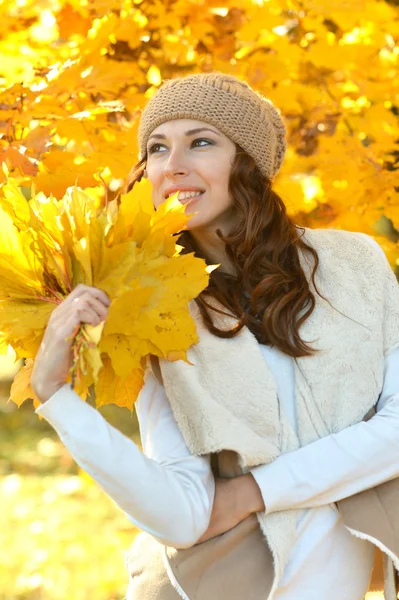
x=74 y=77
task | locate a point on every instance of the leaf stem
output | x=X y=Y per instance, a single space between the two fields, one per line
x=45 y=299
x=68 y=281
x=56 y=294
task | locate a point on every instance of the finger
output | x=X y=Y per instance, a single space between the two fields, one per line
x=88 y=301
x=87 y=315
x=67 y=328
x=80 y=307
x=82 y=289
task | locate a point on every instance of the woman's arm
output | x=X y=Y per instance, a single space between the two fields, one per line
x=338 y=465
x=168 y=493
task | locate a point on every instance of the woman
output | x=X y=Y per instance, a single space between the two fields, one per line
x=260 y=474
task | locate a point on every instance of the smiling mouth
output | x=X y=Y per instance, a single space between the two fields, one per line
x=187 y=200
x=184 y=195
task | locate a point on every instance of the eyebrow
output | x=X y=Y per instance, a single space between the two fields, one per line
x=161 y=136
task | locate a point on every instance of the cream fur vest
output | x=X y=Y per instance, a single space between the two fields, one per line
x=227 y=402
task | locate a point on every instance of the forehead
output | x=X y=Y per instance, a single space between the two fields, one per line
x=180 y=126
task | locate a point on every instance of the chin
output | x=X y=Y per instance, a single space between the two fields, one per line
x=197 y=224
x=194 y=221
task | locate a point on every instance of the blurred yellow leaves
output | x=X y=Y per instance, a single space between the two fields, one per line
x=127 y=249
x=332 y=69
x=154 y=75
x=36 y=501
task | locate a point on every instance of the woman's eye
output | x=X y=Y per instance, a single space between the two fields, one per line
x=152 y=148
x=202 y=140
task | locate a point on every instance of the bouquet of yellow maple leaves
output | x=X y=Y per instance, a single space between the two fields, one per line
x=127 y=249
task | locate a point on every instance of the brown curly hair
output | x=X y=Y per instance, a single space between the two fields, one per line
x=269 y=293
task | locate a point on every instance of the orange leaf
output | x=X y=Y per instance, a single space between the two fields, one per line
x=111 y=389
x=21 y=388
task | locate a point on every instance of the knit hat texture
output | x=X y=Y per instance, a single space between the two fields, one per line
x=240 y=112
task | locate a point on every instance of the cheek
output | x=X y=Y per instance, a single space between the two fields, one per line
x=221 y=179
x=221 y=194
x=155 y=179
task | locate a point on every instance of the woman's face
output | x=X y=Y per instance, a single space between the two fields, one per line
x=186 y=154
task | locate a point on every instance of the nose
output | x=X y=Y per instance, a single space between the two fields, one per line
x=175 y=166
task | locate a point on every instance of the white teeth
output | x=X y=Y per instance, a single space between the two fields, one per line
x=184 y=195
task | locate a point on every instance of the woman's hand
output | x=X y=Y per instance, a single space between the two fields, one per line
x=235 y=499
x=85 y=304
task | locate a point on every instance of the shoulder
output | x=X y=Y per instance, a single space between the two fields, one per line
x=354 y=246
x=367 y=238
x=349 y=259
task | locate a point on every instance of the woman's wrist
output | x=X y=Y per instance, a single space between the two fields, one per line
x=45 y=392
x=248 y=494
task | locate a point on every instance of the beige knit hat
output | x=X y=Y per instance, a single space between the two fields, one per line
x=240 y=112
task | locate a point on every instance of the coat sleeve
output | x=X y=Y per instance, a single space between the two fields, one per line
x=164 y=491
x=341 y=464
